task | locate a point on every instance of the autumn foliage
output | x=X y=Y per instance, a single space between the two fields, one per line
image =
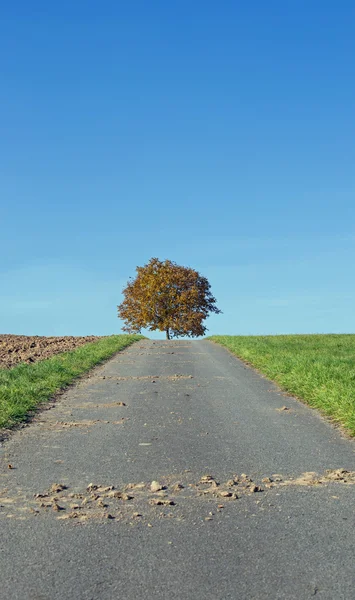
x=167 y=297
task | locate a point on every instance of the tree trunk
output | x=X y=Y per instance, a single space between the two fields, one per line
x=167 y=333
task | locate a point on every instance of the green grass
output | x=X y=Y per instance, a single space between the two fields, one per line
x=320 y=369
x=23 y=387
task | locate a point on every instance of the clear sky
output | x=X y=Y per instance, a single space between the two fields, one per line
x=220 y=135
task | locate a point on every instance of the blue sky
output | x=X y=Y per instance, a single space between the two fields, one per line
x=219 y=135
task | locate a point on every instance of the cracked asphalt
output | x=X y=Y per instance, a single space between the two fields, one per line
x=249 y=500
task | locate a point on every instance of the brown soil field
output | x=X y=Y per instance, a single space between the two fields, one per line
x=15 y=349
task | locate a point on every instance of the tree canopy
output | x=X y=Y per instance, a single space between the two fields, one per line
x=167 y=297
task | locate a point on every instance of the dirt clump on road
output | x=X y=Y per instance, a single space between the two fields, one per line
x=16 y=349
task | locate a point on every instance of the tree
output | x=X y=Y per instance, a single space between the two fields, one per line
x=167 y=297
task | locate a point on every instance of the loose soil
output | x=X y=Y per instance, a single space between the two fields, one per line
x=16 y=349
x=172 y=497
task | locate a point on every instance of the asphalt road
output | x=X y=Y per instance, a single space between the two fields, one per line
x=79 y=520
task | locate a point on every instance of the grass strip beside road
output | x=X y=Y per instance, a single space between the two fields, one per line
x=319 y=369
x=25 y=386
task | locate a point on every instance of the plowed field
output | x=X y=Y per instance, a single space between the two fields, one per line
x=15 y=349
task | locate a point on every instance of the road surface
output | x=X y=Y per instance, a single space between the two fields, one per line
x=174 y=471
